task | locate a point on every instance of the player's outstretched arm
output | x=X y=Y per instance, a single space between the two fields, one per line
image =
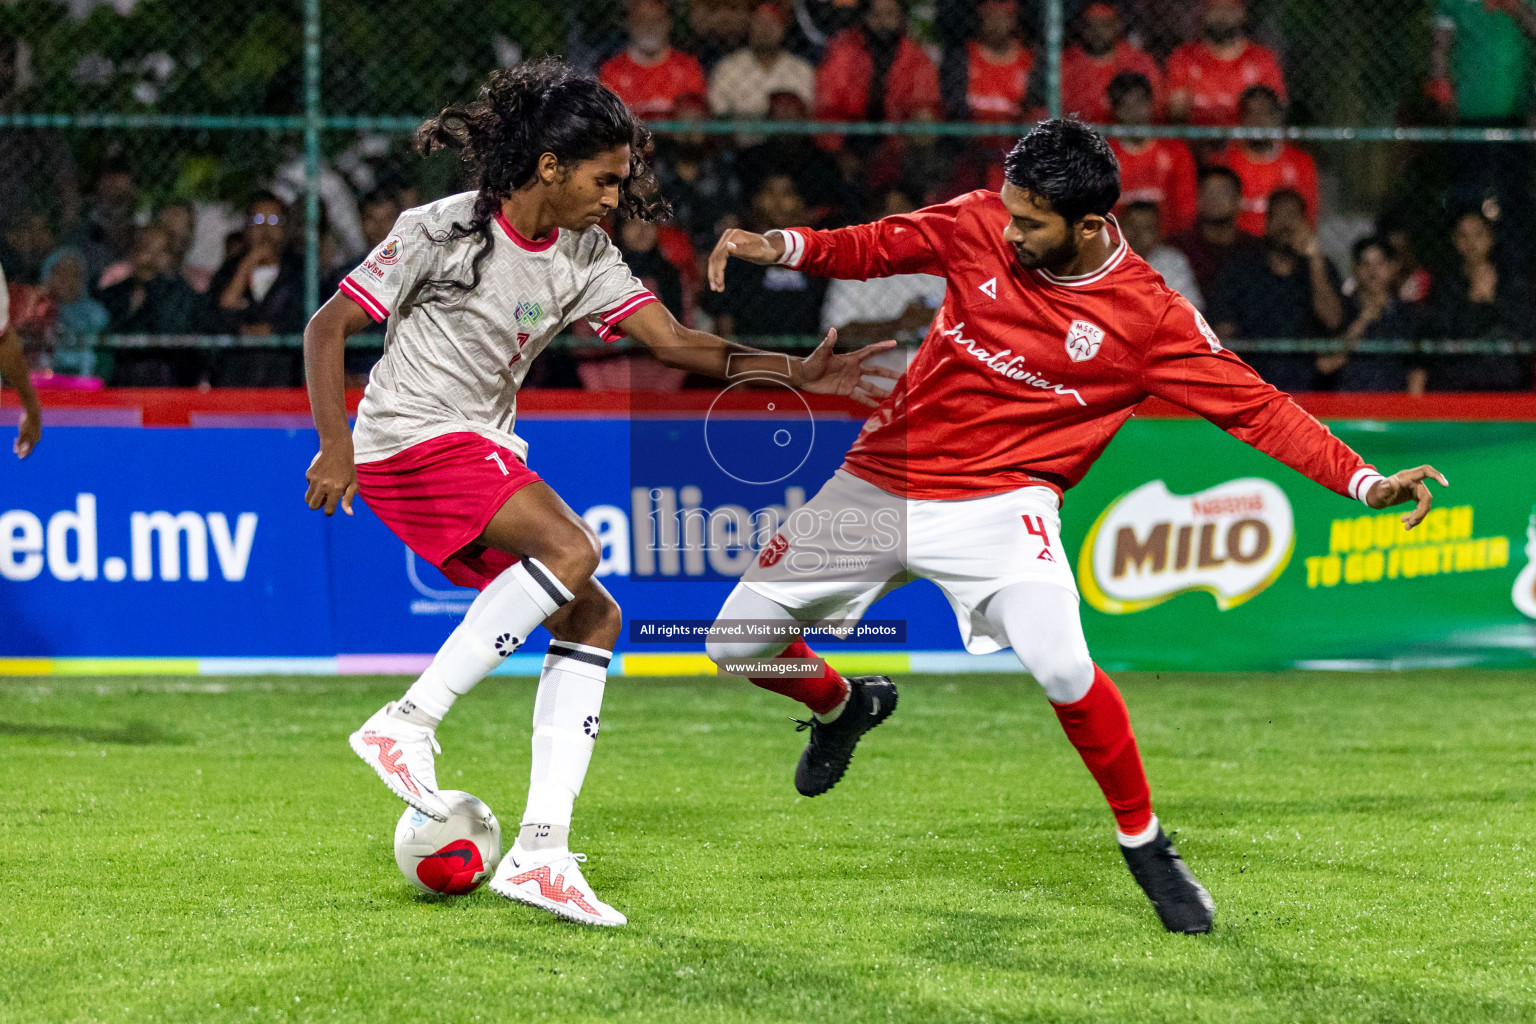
x=903 y=243
x=1185 y=363
x=744 y=245
x=1407 y=485
x=824 y=371
x=332 y=475
x=13 y=369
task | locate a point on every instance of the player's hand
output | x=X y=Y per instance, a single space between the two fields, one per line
x=28 y=432
x=824 y=372
x=1407 y=485
x=332 y=481
x=744 y=245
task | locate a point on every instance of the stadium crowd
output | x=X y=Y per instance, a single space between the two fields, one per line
x=1235 y=226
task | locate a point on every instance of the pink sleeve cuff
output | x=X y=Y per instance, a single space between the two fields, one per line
x=358 y=294
x=610 y=331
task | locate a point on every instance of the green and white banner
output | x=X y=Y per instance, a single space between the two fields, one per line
x=1194 y=551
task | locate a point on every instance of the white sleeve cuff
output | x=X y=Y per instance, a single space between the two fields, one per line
x=794 y=247
x=1361 y=483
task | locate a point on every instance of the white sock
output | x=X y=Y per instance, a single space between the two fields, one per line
x=565 y=725
x=536 y=838
x=1141 y=838
x=496 y=624
x=835 y=713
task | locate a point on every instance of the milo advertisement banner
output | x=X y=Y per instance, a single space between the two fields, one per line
x=1197 y=552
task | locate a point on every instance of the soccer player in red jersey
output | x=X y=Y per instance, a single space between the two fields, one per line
x=1101 y=54
x=1051 y=333
x=473 y=287
x=1205 y=78
x=649 y=75
x=1160 y=171
x=1267 y=166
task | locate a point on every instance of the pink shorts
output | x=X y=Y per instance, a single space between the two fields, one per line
x=438 y=496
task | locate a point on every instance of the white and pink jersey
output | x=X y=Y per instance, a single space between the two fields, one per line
x=454 y=359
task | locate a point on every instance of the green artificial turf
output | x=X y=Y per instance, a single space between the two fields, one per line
x=210 y=850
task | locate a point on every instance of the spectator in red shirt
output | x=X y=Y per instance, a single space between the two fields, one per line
x=873 y=72
x=987 y=80
x=1206 y=78
x=1101 y=53
x=1160 y=171
x=1266 y=166
x=649 y=75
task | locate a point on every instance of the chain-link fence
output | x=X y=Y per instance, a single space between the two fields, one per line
x=180 y=184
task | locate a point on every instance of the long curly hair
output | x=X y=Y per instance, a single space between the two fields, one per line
x=523 y=112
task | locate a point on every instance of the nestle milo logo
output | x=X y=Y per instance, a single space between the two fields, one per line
x=1232 y=541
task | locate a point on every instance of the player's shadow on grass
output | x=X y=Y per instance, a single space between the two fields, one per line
x=136 y=734
x=456 y=904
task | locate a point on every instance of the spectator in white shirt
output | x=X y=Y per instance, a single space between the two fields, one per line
x=742 y=82
x=1142 y=224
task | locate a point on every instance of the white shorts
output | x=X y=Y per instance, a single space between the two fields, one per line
x=853 y=543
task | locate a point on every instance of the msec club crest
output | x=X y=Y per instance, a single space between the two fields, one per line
x=1083 y=340
x=773 y=552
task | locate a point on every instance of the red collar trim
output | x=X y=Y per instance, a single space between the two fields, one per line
x=522 y=242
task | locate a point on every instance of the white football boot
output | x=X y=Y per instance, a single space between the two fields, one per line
x=401 y=753
x=554 y=884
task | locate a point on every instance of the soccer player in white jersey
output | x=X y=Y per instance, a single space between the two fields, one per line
x=473 y=288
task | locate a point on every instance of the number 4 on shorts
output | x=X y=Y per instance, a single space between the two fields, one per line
x=1035 y=526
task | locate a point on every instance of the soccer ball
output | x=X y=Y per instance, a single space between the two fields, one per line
x=449 y=857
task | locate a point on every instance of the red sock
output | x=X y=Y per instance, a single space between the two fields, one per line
x=1100 y=728
x=821 y=694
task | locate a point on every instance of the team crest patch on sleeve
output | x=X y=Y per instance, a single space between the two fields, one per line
x=1205 y=329
x=382 y=261
x=389 y=253
x=1083 y=340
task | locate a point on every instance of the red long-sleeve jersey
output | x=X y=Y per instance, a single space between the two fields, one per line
x=1025 y=376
